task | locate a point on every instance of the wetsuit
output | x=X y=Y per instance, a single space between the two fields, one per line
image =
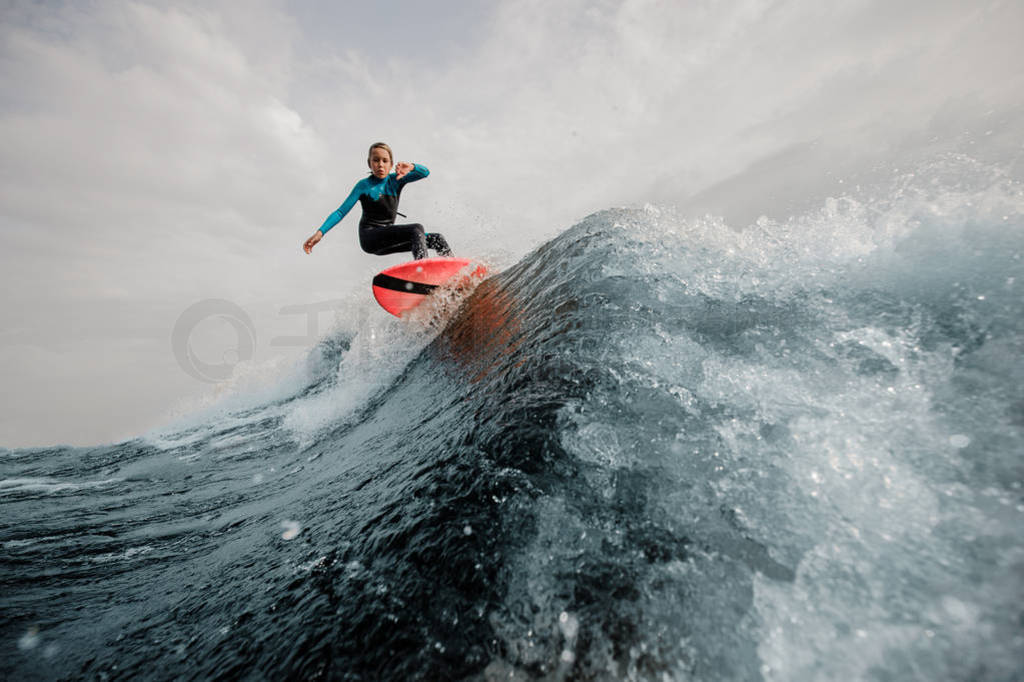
x=378 y=233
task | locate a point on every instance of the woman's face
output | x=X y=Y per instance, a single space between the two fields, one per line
x=380 y=162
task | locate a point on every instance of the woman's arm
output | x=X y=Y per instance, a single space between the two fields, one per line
x=334 y=218
x=342 y=211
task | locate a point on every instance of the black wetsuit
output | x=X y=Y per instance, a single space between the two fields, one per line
x=378 y=233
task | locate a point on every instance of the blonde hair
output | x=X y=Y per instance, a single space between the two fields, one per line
x=380 y=145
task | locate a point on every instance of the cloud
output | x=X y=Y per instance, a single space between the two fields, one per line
x=162 y=109
x=144 y=150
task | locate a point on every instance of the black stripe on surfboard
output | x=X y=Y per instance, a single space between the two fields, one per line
x=395 y=284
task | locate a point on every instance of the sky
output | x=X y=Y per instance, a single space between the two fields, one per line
x=162 y=162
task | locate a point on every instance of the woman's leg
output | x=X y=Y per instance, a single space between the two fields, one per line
x=382 y=241
x=438 y=243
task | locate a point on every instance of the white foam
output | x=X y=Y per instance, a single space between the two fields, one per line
x=50 y=485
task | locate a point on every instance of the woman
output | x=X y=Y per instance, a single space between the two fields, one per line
x=379 y=195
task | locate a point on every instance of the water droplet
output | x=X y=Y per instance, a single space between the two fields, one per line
x=569 y=625
x=959 y=441
x=30 y=640
x=291 y=530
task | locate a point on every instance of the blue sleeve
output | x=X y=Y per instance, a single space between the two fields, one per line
x=343 y=210
x=417 y=173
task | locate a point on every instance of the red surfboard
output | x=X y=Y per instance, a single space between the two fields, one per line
x=401 y=288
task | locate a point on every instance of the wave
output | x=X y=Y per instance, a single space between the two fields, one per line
x=656 y=447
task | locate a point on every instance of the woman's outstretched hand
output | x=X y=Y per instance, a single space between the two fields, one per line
x=403 y=168
x=312 y=241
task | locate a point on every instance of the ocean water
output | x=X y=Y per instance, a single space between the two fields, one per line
x=655 y=448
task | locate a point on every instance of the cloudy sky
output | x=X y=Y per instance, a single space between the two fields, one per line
x=157 y=156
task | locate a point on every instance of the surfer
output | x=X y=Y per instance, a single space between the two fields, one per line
x=378 y=195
